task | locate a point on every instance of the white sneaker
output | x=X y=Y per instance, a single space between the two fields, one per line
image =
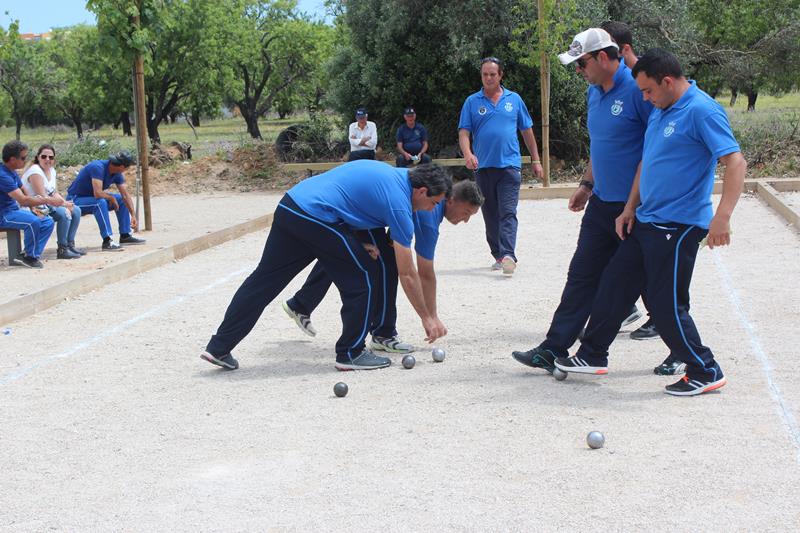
x=390 y=344
x=303 y=321
x=509 y=265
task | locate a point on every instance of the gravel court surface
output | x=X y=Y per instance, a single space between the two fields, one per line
x=133 y=431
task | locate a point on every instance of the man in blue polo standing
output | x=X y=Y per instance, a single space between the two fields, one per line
x=88 y=191
x=617 y=119
x=36 y=229
x=493 y=115
x=669 y=212
x=316 y=219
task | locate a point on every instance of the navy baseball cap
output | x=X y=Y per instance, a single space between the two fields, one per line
x=123 y=158
x=361 y=111
x=409 y=111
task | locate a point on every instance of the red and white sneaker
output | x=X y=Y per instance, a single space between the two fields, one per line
x=579 y=366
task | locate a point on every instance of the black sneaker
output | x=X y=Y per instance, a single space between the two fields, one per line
x=537 y=358
x=365 y=361
x=111 y=246
x=225 y=361
x=79 y=251
x=579 y=366
x=127 y=238
x=633 y=317
x=669 y=367
x=693 y=387
x=646 y=331
x=30 y=262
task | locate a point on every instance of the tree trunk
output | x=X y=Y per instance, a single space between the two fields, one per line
x=18 y=120
x=751 y=100
x=251 y=119
x=734 y=95
x=282 y=114
x=125 y=119
x=195 y=119
x=78 y=127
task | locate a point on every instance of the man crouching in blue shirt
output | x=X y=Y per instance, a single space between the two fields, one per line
x=667 y=215
x=316 y=219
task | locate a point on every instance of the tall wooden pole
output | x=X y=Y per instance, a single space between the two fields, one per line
x=544 y=72
x=141 y=131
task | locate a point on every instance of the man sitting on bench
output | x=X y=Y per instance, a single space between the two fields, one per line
x=36 y=229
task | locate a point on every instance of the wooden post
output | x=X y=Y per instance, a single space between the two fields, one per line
x=141 y=131
x=544 y=73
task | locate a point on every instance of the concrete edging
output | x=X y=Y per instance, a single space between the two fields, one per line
x=30 y=304
x=768 y=193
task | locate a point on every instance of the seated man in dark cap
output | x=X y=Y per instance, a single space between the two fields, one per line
x=363 y=135
x=412 y=141
x=88 y=191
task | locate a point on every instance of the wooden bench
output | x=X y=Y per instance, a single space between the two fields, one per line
x=14 y=242
x=322 y=167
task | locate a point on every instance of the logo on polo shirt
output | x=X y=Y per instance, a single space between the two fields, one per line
x=670 y=129
x=482 y=110
x=616 y=109
x=509 y=107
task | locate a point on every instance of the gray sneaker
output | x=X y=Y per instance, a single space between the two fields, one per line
x=303 y=321
x=391 y=345
x=365 y=361
x=646 y=331
x=498 y=265
x=225 y=361
x=537 y=358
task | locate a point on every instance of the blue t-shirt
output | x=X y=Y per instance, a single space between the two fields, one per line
x=617 y=120
x=9 y=182
x=426 y=230
x=363 y=194
x=681 y=148
x=412 y=138
x=494 y=128
x=97 y=169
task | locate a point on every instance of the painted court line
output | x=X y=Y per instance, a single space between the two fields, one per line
x=19 y=373
x=774 y=390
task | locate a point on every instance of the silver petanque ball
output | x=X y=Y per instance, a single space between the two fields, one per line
x=559 y=374
x=340 y=389
x=595 y=440
x=438 y=355
x=409 y=361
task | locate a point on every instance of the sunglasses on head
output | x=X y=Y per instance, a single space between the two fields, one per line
x=492 y=60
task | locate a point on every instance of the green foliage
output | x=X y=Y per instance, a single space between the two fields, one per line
x=85 y=150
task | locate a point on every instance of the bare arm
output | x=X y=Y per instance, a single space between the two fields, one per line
x=581 y=195
x=533 y=149
x=32 y=201
x=427 y=277
x=402 y=151
x=470 y=161
x=719 y=231
x=98 y=192
x=126 y=197
x=412 y=286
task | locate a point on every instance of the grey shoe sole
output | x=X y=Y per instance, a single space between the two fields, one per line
x=232 y=364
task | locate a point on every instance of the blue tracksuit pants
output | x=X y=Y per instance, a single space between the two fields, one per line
x=36 y=231
x=500 y=188
x=99 y=208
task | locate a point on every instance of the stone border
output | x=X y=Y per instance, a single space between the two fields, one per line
x=30 y=304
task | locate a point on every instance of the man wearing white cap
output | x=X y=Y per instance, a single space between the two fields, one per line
x=617 y=118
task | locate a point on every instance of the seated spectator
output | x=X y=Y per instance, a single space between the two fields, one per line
x=363 y=137
x=37 y=229
x=88 y=191
x=412 y=141
x=40 y=180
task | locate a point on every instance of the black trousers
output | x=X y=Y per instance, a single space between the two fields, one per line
x=384 y=321
x=658 y=258
x=294 y=241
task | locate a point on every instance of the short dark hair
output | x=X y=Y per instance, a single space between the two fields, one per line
x=13 y=149
x=432 y=176
x=619 y=31
x=611 y=51
x=492 y=59
x=656 y=64
x=467 y=191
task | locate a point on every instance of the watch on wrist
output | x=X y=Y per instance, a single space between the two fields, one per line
x=586 y=183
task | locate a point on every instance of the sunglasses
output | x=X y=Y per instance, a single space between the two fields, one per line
x=45 y=156
x=492 y=60
x=583 y=61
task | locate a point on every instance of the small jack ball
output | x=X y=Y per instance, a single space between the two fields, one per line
x=340 y=389
x=409 y=361
x=438 y=355
x=595 y=440
x=559 y=374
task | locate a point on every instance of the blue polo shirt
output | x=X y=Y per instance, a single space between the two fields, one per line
x=97 y=169
x=681 y=148
x=494 y=128
x=426 y=230
x=617 y=120
x=9 y=182
x=412 y=138
x=363 y=194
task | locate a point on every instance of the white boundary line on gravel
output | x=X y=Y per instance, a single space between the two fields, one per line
x=22 y=372
x=774 y=390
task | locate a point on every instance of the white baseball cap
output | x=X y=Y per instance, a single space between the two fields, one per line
x=587 y=41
